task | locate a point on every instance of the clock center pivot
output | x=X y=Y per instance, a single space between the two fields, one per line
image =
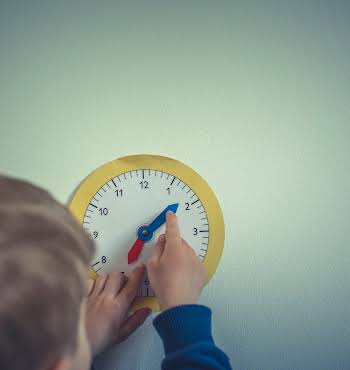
x=144 y=233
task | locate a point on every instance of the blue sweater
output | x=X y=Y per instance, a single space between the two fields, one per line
x=188 y=342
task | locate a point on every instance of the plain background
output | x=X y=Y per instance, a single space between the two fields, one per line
x=254 y=95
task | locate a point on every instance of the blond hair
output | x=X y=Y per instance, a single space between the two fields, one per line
x=44 y=255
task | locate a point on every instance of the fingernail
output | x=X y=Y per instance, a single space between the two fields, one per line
x=148 y=310
x=161 y=238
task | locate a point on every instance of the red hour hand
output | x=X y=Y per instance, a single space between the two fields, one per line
x=135 y=250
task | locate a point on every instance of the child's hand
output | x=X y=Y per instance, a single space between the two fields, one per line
x=175 y=272
x=108 y=303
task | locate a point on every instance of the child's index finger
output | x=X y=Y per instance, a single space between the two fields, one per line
x=172 y=231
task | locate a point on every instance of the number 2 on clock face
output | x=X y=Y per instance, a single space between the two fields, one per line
x=131 y=200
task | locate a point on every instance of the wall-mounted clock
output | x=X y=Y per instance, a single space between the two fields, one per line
x=122 y=206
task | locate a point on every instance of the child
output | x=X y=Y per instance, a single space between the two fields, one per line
x=52 y=319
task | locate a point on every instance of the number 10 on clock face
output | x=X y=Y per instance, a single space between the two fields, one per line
x=132 y=200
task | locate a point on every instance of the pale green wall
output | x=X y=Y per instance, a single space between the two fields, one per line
x=254 y=96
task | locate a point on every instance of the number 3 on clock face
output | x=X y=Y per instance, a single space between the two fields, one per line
x=113 y=206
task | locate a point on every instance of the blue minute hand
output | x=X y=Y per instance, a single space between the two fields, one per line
x=160 y=219
x=145 y=233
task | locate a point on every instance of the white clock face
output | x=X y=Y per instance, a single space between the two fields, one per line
x=131 y=200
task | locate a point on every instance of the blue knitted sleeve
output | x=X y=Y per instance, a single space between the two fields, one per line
x=188 y=342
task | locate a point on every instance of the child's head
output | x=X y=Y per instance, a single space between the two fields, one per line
x=44 y=255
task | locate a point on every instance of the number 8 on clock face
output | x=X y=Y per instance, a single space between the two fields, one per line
x=122 y=206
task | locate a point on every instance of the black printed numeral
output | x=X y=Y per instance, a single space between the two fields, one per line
x=119 y=192
x=103 y=211
x=144 y=184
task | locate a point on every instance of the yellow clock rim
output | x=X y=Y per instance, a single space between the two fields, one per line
x=89 y=186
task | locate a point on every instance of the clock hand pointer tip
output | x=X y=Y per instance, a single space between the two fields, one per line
x=173 y=207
